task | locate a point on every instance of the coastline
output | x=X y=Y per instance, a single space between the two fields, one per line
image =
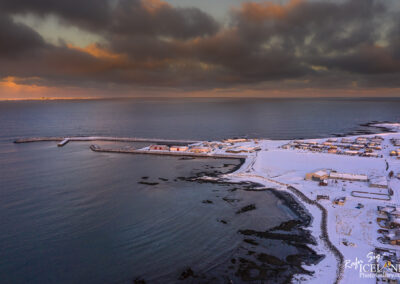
x=317 y=224
x=322 y=215
x=282 y=170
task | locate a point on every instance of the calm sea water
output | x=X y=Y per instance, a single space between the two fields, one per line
x=69 y=215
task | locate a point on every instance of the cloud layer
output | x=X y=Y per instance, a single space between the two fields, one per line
x=301 y=44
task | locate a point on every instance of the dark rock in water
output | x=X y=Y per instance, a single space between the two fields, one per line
x=250 y=271
x=246 y=208
x=163 y=179
x=186 y=274
x=250 y=241
x=187 y=158
x=139 y=281
x=223 y=221
x=270 y=259
x=230 y=200
x=207 y=201
x=145 y=177
x=300 y=259
x=288 y=226
x=148 y=183
x=304 y=237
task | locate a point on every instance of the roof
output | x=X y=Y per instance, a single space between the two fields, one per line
x=351 y=152
x=321 y=173
x=348 y=176
x=380 y=180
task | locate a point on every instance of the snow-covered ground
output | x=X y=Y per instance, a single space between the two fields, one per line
x=352 y=228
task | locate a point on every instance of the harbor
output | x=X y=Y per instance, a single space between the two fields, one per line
x=96 y=148
x=162 y=147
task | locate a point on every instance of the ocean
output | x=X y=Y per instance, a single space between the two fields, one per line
x=70 y=215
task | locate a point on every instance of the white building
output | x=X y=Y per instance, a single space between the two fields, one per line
x=345 y=176
x=179 y=148
x=351 y=153
x=379 y=182
x=200 y=150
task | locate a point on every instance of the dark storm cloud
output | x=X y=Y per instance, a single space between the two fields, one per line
x=88 y=13
x=151 y=43
x=132 y=17
x=16 y=39
x=154 y=18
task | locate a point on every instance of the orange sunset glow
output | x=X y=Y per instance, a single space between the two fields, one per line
x=240 y=48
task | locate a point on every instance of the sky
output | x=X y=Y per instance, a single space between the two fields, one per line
x=123 y=48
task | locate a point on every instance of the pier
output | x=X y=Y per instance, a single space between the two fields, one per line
x=64 y=140
x=96 y=148
x=62 y=143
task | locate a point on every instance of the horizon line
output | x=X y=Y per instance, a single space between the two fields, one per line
x=187 y=97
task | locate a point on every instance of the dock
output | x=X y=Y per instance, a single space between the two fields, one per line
x=62 y=143
x=96 y=148
x=64 y=140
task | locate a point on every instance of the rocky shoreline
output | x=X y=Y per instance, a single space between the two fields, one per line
x=252 y=261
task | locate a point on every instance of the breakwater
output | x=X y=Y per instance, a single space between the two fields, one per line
x=96 y=148
x=103 y=138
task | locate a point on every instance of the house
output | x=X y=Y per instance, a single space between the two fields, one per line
x=200 y=150
x=249 y=149
x=356 y=147
x=323 y=182
x=396 y=142
x=389 y=210
x=393 y=221
x=345 y=176
x=370 y=154
x=342 y=145
x=317 y=176
x=339 y=201
x=361 y=140
x=322 y=197
x=235 y=140
x=377 y=141
x=393 y=236
x=179 y=148
x=351 y=153
x=159 y=148
x=379 y=182
x=332 y=151
x=346 y=140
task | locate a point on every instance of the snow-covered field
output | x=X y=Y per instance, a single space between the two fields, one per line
x=352 y=227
